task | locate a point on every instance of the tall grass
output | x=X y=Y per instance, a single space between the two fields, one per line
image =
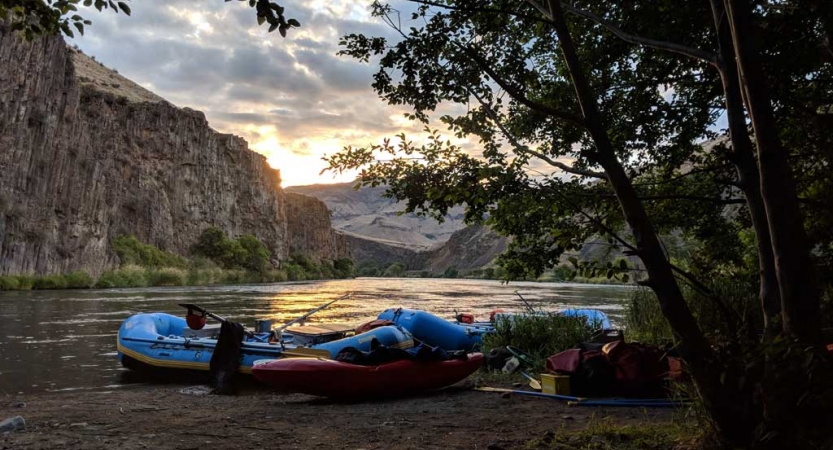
x=734 y=298
x=73 y=280
x=540 y=335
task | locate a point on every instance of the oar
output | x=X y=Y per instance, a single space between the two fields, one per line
x=533 y=383
x=583 y=401
x=277 y=331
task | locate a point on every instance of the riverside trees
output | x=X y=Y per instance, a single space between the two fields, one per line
x=611 y=99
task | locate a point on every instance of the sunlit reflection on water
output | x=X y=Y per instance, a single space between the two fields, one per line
x=64 y=340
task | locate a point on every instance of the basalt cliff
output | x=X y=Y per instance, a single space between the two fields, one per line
x=87 y=155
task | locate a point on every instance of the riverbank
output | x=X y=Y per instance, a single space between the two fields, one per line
x=169 y=417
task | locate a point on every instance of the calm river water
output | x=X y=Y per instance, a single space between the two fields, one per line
x=66 y=340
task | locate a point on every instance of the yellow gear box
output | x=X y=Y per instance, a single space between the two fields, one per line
x=555 y=384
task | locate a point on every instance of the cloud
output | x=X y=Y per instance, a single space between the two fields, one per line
x=293 y=99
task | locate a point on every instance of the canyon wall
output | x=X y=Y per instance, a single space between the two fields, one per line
x=309 y=230
x=87 y=155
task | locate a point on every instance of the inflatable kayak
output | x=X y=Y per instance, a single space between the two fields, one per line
x=336 y=379
x=156 y=342
x=451 y=336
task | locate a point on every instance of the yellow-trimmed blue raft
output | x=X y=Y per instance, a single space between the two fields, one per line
x=156 y=342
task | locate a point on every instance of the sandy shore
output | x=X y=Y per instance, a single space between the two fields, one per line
x=169 y=417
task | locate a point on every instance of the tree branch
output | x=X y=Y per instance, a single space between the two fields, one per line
x=525 y=148
x=694 y=53
x=722 y=201
x=485 y=10
x=516 y=94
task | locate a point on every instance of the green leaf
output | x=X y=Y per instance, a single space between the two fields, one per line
x=261 y=20
x=124 y=8
x=293 y=23
x=573 y=260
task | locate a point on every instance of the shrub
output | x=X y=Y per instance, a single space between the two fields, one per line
x=254 y=256
x=539 y=335
x=343 y=267
x=294 y=272
x=395 y=270
x=79 y=280
x=131 y=251
x=246 y=252
x=451 y=272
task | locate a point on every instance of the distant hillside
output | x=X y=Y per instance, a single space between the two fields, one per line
x=365 y=213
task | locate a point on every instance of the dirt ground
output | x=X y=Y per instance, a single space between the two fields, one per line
x=182 y=417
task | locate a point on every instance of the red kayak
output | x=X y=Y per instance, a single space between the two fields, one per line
x=329 y=378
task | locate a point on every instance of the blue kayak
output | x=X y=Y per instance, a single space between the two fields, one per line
x=156 y=341
x=452 y=335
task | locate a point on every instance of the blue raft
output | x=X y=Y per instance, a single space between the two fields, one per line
x=155 y=342
x=449 y=335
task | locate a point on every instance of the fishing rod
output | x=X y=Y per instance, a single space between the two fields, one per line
x=528 y=306
x=276 y=333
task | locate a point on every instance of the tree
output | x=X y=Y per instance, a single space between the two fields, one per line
x=579 y=96
x=36 y=17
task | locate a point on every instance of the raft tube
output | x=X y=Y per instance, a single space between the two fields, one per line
x=336 y=379
x=435 y=331
x=154 y=342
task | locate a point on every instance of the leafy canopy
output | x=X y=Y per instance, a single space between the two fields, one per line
x=37 y=17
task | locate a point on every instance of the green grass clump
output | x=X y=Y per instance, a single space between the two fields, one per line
x=539 y=335
x=50 y=282
x=130 y=275
x=9 y=283
x=166 y=276
x=79 y=280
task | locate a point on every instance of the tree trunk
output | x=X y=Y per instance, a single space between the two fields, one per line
x=793 y=265
x=743 y=158
x=726 y=406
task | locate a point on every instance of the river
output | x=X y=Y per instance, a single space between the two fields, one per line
x=66 y=340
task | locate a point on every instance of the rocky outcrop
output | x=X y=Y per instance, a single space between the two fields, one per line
x=472 y=247
x=88 y=155
x=382 y=253
x=309 y=230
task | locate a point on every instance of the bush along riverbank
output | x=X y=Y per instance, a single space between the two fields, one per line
x=215 y=259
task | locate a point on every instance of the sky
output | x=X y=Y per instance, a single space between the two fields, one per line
x=293 y=99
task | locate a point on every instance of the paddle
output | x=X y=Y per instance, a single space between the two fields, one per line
x=583 y=401
x=533 y=383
